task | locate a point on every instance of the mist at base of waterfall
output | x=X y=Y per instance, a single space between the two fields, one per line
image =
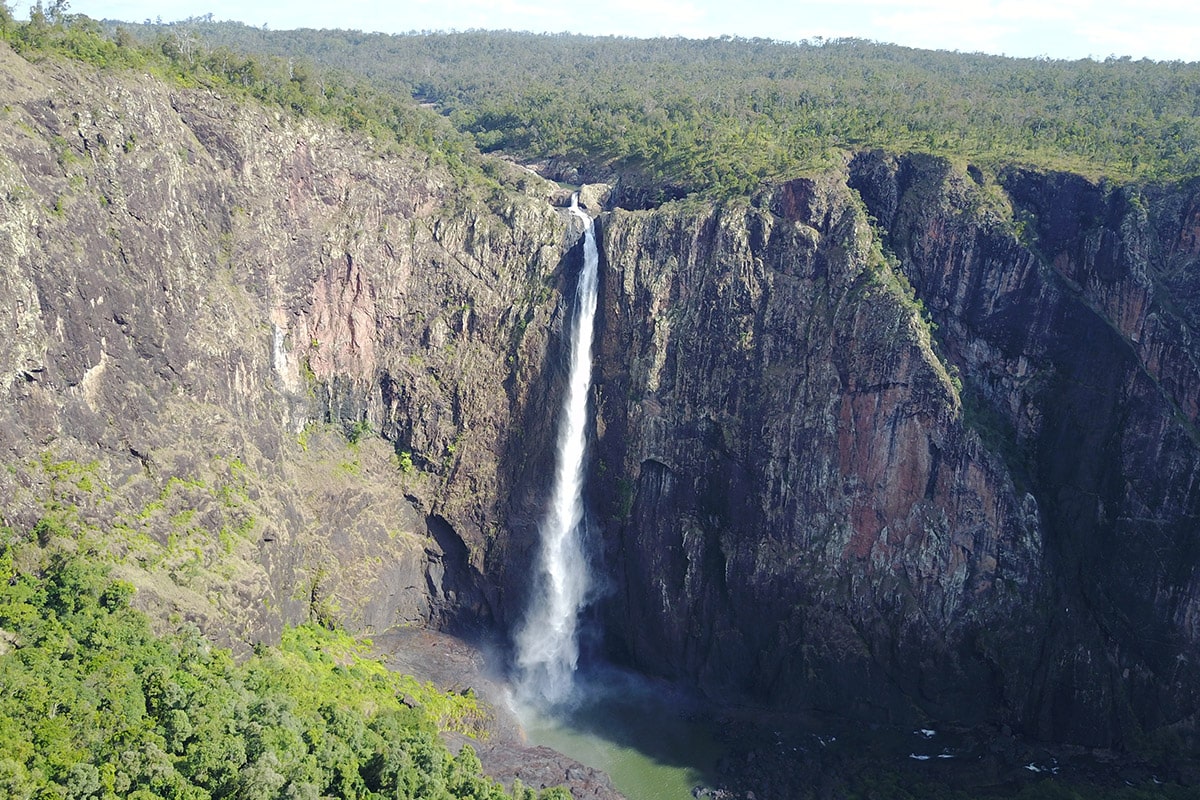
x=652 y=739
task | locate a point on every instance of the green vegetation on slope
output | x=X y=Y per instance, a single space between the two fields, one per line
x=94 y=705
x=726 y=114
x=297 y=86
x=716 y=115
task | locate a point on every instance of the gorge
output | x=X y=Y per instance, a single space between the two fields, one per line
x=907 y=440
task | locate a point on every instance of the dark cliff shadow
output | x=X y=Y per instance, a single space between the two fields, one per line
x=456 y=586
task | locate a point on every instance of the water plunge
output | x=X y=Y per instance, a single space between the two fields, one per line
x=643 y=735
x=651 y=739
x=547 y=642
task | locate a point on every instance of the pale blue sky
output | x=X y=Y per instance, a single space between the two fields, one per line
x=1157 y=29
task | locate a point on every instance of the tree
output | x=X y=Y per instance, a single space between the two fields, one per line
x=58 y=11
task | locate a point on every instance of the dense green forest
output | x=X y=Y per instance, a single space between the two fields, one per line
x=717 y=115
x=95 y=705
x=726 y=114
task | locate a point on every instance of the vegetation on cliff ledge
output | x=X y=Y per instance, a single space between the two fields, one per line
x=296 y=86
x=93 y=704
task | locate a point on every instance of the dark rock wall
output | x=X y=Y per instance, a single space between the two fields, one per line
x=800 y=513
x=1078 y=339
x=810 y=499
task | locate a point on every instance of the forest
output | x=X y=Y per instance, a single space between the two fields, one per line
x=718 y=116
x=96 y=705
x=724 y=115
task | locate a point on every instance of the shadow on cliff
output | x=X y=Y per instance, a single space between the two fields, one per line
x=1074 y=334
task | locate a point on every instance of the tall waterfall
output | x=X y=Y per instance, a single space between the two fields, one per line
x=547 y=646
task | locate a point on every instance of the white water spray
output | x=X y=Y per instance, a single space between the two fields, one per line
x=547 y=646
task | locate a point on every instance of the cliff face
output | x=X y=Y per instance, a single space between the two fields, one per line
x=807 y=517
x=201 y=299
x=815 y=502
x=1080 y=344
x=901 y=442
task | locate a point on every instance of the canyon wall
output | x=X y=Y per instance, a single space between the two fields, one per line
x=211 y=313
x=909 y=443
x=807 y=517
x=903 y=441
x=1078 y=344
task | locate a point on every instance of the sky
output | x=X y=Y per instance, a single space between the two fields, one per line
x=1155 y=29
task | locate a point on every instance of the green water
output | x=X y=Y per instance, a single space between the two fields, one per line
x=649 y=743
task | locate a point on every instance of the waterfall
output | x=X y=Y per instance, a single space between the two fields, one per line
x=547 y=646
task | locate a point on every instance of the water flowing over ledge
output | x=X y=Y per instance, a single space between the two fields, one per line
x=547 y=642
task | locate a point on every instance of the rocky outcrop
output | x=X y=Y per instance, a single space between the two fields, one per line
x=1073 y=342
x=210 y=310
x=801 y=512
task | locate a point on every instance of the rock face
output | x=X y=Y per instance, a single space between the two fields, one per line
x=201 y=300
x=1079 y=346
x=903 y=442
x=809 y=499
x=806 y=518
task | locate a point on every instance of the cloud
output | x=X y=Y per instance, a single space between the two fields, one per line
x=933 y=25
x=666 y=9
x=1172 y=41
